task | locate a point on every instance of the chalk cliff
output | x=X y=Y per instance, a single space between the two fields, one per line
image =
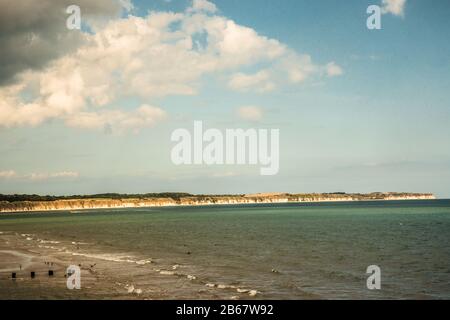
x=198 y=200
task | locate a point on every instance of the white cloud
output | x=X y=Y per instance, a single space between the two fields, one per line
x=238 y=45
x=395 y=7
x=333 y=70
x=149 y=57
x=299 y=67
x=250 y=113
x=202 y=5
x=144 y=116
x=259 y=82
x=55 y=175
x=64 y=174
x=7 y=174
x=38 y=176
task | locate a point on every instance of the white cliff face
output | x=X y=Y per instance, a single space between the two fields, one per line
x=419 y=197
x=80 y=204
x=75 y=204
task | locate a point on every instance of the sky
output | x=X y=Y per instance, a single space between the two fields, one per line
x=92 y=110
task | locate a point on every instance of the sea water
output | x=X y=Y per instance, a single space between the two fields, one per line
x=279 y=251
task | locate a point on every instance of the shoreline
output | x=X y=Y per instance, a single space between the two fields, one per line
x=154 y=259
x=104 y=204
x=105 y=274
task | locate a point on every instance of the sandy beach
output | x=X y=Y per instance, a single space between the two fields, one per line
x=20 y=256
x=103 y=275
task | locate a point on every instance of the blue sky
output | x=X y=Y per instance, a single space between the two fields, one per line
x=378 y=124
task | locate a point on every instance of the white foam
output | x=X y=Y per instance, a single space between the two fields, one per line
x=145 y=261
x=253 y=293
x=48 y=241
x=225 y=286
x=111 y=257
x=48 y=247
x=242 y=290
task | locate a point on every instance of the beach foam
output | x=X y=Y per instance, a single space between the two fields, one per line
x=112 y=257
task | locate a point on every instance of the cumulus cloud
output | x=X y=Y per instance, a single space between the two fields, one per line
x=250 y=113
x=395 y=7
x=161 y=54
x=259 y=82
x=299 y=67
x=33 y=33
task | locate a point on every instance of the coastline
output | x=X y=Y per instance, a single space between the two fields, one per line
x=105 y=273
x=160 y=256
x=194 y=201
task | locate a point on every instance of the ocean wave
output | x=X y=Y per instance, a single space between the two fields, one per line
x=167 y=273
x=112 y=257
x=48 y=241
x=250 y=292
x=174 y=270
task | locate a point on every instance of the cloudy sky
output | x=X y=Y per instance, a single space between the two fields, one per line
x=92 y=110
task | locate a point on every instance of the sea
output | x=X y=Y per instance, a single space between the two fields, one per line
x=265 y=251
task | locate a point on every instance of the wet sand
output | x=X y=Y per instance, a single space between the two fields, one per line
x=9 y=260
x=103 y=275
x=19 y=256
